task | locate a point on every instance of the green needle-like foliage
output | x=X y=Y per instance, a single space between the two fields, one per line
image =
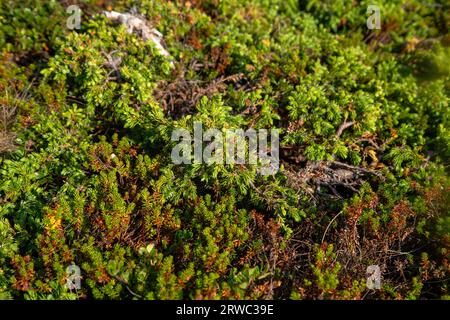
x=86 y=175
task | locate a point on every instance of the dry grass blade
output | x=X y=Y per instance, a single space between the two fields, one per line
x=9 y=107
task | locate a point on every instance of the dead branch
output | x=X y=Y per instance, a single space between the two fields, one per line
x=179 y=97
x=343 y=126
x=329 y=174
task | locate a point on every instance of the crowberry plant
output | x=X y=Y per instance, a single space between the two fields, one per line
x=86 y=174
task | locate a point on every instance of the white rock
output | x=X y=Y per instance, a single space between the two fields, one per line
x=138 y=25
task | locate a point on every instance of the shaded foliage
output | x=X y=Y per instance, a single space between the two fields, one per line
x=86 y=175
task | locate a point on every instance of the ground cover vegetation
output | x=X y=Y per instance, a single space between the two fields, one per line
x=86 y=177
